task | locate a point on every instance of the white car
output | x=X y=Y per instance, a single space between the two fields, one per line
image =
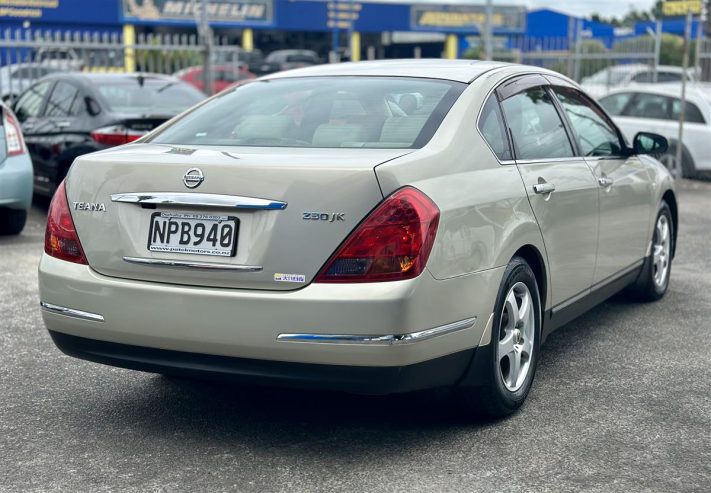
x=619 y=76
x=656 y=108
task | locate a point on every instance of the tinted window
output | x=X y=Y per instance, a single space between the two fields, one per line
x=650 y=106
x=319 y=112
x=33 y=72
x=692 y=114
x=668 y=77
x=30 y=103
x=595 y=133
x=644 y=77
x=616 y=103
x=61 y=101
x=536 y=127
x=491 y=126
x=153 y=97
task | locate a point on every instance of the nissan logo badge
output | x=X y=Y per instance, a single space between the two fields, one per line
x=193 y=178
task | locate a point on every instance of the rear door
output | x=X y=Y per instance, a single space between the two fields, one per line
x=625 y=195
x=561 y=188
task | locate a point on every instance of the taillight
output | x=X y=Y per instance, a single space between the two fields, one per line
x=392 y=243
x=13 y=134
x=61 y=239
x=116 y=135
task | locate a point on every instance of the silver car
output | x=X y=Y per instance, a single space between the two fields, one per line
x=306 y=230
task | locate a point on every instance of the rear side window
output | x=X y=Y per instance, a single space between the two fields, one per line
x=61 y=102
x=652 y=106
x=30 y=103
x=492 y=128
x=325 y=112
x=596 y=135
x=536 y=127
x=615 y=103
x=692 y=114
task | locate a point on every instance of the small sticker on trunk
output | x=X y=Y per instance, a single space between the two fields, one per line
x=280 y=277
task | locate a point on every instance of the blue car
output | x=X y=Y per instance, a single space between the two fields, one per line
x=15 y=175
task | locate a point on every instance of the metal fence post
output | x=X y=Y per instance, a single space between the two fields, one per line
x=682 y=110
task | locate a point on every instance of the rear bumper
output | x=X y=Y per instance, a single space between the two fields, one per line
x=16 y=182
x=440 y=372
x=391 y=325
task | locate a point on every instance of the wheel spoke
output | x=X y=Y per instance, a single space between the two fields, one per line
x=514 y=367
x=527 y=347
x=512 y=308
x=506 y=345
x=525 y=308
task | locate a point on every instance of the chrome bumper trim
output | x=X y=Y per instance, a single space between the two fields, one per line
x=183 y=264
x=198 y=200
x=71 y=312
x=373 y=340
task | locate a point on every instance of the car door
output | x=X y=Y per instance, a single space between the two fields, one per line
x=561 y=188
x=625 y=194
x=29 y=110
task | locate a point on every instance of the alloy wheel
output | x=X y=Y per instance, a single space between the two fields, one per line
x=516 y=333
x=661 y=251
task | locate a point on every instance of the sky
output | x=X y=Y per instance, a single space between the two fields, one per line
x=606 y=8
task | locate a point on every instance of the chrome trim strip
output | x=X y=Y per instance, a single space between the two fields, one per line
x=71 y=312
x=198 y=200
x=373 y=340
x=189 y=264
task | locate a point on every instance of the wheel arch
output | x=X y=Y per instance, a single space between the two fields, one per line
x=534 y=258
x=670 y=198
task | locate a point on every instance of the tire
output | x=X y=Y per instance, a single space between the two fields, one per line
x=653 y=281
x=501 y=394
x=688 y=168
x=12 y=221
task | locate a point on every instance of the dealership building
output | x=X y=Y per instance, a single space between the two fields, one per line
x=385 y=29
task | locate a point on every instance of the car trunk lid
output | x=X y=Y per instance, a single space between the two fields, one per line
x=291 y=209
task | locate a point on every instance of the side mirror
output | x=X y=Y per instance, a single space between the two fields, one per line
x=92 y=107
x=649 y=143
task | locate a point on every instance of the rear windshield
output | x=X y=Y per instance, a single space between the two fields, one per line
x=326 y=112
x=155 y=96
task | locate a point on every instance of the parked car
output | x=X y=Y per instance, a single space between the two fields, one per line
x=288 y=59
x=223 y=76
x=61 y=58
x=66 y=115
x=254 y=60
x=619 y=76
x=302 y=230
x=15 y=175
x=17 y=77
x=657 y=108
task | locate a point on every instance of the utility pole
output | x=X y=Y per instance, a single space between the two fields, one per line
x=682 y=111
x=206 y=36
x=488 y=35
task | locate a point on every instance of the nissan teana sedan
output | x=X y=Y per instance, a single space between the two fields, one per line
x=305 y=230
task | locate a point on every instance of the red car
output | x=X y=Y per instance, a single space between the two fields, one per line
x=223 y=76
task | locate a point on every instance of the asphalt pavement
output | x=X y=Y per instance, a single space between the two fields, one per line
x=621 y=402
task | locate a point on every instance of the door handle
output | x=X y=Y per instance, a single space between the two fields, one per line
x=604 y=181
x=543 y=188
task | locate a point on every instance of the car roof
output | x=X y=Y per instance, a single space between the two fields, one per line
x=99 y=78
x=455 y=70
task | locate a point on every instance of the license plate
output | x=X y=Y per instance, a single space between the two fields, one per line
x=199 y=234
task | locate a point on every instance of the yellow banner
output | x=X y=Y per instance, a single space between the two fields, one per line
x=681 y=7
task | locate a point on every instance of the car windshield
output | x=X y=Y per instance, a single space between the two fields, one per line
x=153 y=97
x=326 y=112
